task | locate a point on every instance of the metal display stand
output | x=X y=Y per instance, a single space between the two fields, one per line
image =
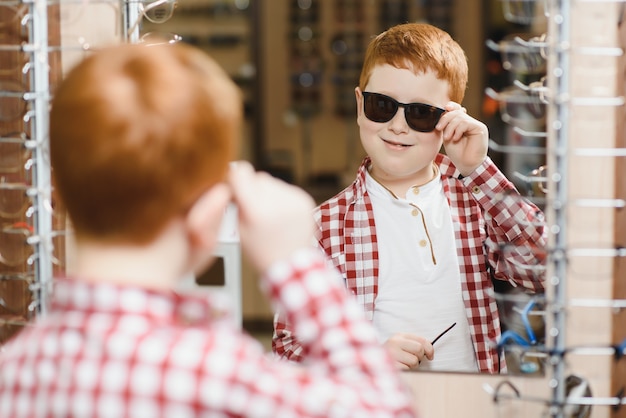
x=557 y=140
x=32 y=244
x=42 y=223
x=26 y=247
x=571 y=382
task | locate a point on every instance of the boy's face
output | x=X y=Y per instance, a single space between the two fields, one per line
x=397 y=151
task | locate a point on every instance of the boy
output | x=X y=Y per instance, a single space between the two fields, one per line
x=419 y=235
x=140 y=141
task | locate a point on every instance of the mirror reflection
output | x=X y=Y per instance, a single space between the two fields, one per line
x=424 y=145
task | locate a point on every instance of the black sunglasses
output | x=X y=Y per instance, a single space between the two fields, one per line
x=419 y=116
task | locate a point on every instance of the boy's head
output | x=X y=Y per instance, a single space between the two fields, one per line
x=137 y=134
x=419 y=47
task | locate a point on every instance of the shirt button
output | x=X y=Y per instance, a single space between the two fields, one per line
x=414 y=212
x=422 y=243
x=475 y=189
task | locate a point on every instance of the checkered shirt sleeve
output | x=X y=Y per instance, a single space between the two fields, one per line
x=344 y=225
x=516 y=231
x=486 y=222
x=284 y=343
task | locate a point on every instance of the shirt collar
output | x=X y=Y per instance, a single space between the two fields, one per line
x=378 y=189
x=72 y=294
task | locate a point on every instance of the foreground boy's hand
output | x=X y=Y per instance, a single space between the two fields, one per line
x=275 y=218
x=408 y=350
x=465 y=139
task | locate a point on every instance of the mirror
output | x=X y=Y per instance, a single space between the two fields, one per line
x=298 y=62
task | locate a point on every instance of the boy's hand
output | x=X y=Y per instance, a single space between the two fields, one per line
x=465 y=139
x=275 y=218
x=408 y=350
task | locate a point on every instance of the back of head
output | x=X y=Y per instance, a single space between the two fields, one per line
x=419 y=47
x=137 y=134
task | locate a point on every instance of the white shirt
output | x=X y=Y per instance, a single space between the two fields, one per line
x=419 y=283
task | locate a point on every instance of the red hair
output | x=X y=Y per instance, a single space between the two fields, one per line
x=419 y=47
x=137 y=134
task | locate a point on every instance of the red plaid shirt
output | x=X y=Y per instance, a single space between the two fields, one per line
x=498 y=233
x=108 y=350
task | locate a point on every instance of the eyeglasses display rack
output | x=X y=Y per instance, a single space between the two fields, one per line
x=557 y=143
x=35 y=46
x=583 y=193
x=581 y=372
x=27 y=253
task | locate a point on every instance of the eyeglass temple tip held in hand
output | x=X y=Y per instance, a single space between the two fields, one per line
x=442 y=333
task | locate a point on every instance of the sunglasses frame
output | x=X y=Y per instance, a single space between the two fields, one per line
x=434 y=110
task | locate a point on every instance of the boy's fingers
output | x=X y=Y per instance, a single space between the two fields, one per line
x=240 y=177
x=240 y=169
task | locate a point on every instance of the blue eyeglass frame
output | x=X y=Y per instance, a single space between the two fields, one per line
x=529 y=341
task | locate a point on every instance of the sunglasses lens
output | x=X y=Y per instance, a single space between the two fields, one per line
x=422 y=117
x=419 y=116
x=379 y=108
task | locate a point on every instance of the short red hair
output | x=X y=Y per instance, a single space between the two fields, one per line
x=419 y=47
x=137 y=134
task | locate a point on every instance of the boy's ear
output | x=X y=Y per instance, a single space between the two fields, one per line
x=205 y=217
x=359 y=100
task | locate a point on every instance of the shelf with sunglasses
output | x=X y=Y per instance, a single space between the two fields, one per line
x=17 y=268
x=19 y=287
x=516 y=121
x=21 y=153
x=512 y=107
